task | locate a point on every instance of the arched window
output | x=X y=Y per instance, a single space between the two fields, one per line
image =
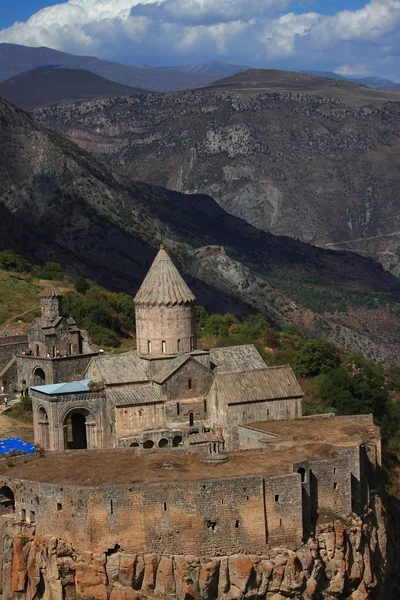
x=191 y=419
x=7 y=500
x=178 y=345
x=176 y=441
x=39 y=377
x=189 y=384
x=149 y=347
x=163 y=347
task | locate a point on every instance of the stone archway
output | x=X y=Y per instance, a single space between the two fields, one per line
x=43 y=428
x=75 y=430
x=39 y=377
x=7 y=500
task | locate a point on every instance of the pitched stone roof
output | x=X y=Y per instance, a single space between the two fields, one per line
x=270 y=383
x=50 y=292
x=172 y=367
x=236 y=358
x=118 y=369
x=139 y=394
x=163 y=284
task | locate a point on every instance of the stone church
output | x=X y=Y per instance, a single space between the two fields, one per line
x=55 y=349
x=167 y=393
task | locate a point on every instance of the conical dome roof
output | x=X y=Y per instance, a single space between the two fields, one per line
x=163 y=284
x=50 y=292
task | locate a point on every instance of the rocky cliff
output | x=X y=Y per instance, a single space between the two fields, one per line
x=294 y=155
x=344 y=560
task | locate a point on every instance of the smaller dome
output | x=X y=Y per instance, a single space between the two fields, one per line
x=50 y=292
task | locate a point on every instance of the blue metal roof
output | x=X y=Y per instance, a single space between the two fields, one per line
x=57 y=389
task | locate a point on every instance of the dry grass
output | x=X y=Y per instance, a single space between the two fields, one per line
x=11 y=427
x=343 y=430
x=124 y=466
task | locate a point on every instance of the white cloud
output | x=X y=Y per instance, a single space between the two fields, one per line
x=349 y=71
x=262 y=32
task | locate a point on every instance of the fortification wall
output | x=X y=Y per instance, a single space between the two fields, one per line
x=212 y=517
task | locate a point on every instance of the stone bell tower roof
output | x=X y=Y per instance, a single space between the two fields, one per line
x=50 y=292
x=163 y=284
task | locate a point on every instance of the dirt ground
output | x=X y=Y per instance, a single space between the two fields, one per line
x=12 y=428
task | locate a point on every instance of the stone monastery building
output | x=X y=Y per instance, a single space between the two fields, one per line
x=167 y=393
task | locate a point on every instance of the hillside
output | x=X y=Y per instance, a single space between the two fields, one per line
x=58 y=203
x=15 y=59
x=293 y=160
x=39 y=87
x=270 y=80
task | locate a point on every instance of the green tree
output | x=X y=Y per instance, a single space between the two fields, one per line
x=201 y=315
x=215 y=325
x=51 y=270
x=9 y=261
x=82 y=285
x=315 y=357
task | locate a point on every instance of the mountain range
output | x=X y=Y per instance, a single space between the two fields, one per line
x=14 y=59
x=312 y=158
x=59 y=203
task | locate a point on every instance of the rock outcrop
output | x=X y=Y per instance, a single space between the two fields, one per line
x=343 y=560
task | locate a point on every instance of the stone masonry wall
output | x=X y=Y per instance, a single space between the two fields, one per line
x=343 y=560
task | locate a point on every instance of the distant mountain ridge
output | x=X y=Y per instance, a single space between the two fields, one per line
x=211 y=67
x=15 y=59
x=43 y=86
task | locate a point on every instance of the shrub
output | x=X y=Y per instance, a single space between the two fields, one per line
x=9 y=261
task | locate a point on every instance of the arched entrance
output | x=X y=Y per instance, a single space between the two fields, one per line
x=43 y=428
x=39 y=377
x=75 y=436
x=177 y=441
x=7 y=500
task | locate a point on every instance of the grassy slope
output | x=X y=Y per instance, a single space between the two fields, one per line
x=20 y=298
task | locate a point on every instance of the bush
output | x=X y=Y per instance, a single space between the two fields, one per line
x=9 y=261
x=316 y=357
x=103 y=336
x=82 y=285
x=51 y=270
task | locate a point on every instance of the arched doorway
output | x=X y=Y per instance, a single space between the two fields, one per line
x=7 y=500
x=163 y=443
x=302 y=473
x=134 y=445
x=148 y=444
x=43 y=428
x=75 y=431
x=39 y=377
x=176 y=441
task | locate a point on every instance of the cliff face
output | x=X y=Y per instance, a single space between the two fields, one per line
x=343 y=560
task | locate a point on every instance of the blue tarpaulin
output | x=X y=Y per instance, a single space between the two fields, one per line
x=11 y=445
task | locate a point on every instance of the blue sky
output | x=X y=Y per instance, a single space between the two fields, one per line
x=354 y=37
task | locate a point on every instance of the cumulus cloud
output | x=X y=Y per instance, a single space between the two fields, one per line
x=273 y=33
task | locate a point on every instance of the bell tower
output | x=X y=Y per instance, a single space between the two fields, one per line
x=164 y=306
x=50 y=303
